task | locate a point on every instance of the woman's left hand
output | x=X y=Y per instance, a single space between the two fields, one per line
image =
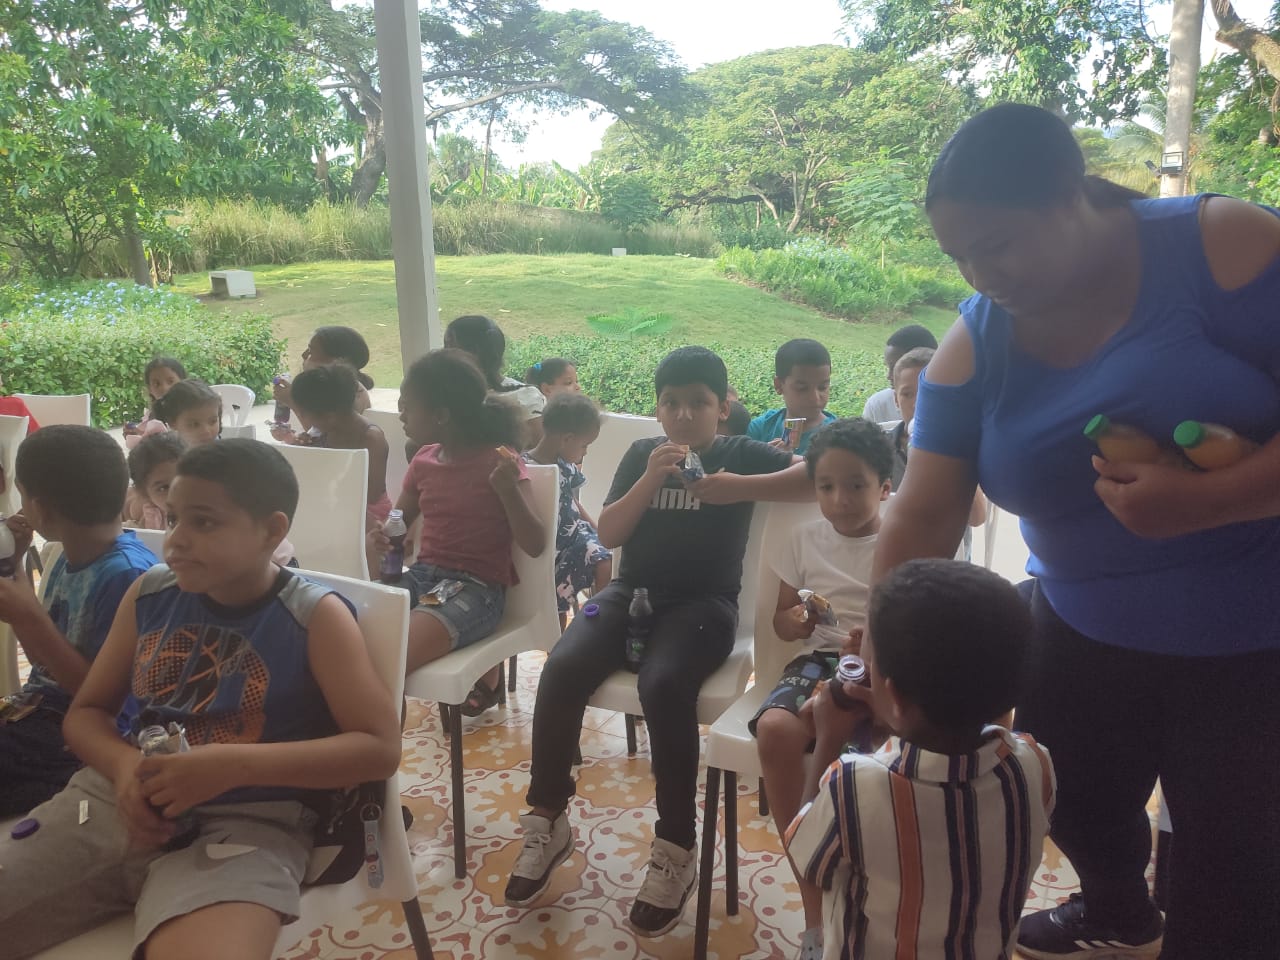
x=1154 y=501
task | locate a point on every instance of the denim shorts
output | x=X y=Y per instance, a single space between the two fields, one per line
x=469 y=615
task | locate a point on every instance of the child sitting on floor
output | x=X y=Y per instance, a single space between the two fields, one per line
x=191 y=408
x=269 y=677
x=159 y=376
x=554 y=375
x=849 y=463
x=570 y=424
x=929 y=844
x=326 y=398
x=473 y=493
x=153 y=464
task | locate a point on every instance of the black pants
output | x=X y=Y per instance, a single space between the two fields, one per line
x=35 y=763
x=1209 y=727
x=690 y=640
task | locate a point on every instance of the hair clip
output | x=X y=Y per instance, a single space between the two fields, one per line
x=538 y=366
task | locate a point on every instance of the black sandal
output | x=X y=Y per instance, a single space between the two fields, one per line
x=480 y=699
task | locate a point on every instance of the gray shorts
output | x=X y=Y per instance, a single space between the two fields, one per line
x=68 y=877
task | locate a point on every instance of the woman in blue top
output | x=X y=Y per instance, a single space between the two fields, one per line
x=1157 y=648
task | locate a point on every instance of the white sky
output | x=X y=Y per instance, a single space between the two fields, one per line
x=708 y=31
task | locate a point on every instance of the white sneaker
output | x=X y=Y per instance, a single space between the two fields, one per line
x=668 y=881
x=547 y=844
x=811 y=944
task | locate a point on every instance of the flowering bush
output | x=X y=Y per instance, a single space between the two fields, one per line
x=97 y=338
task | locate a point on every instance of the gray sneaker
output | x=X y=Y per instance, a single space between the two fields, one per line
x=669 y=879
x=547 y=844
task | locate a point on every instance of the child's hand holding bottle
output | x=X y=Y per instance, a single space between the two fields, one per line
x=664 y=461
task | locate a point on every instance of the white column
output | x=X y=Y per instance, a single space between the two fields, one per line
x=400 y=74
x=1184 y=69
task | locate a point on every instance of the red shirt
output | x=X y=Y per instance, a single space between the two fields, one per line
x=13 y=407
x=464 y=526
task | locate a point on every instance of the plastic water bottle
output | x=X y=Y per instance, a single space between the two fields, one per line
x=283 y=413
x=392 y=567
x=639 y=628
x=8 y=552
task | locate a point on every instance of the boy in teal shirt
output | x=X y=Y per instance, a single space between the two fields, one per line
x=802 y=377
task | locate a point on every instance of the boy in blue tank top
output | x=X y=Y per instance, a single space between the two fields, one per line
x=268 y=674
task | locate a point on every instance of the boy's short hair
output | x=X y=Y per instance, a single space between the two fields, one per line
x=910 y=337
x=866 y=440
x=917 y=359
x=152 y=451
x=738 y=421
x=77 y=472
x=688 y=365
x=799 y=353
x=189 y=394
x=570 y=413
x=325 y=390
x=255 y=475
x=953 y=638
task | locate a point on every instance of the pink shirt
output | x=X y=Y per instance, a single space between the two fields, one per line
x=464 y=525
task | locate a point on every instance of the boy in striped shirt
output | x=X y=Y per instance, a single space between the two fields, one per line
x=926 y=848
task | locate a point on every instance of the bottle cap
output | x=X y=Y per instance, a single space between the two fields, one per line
x=591 y=610
x=24 y=828
x=1096 y=426
x=396 y=514
x=1189 y=433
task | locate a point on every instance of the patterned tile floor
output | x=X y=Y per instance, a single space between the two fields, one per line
x=584 y=912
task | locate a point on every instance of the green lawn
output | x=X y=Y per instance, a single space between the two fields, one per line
x=547 y=295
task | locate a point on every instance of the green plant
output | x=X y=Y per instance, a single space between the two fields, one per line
x=618 y=374
x=631 y=322
x=97 y=338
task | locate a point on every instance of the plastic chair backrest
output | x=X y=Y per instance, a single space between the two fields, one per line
x=51 y=409
x=617 y=432
x=388 y=421
x=537 y=575
x=245 y=431
x=153 y=540
x=772 y=653
x=13 y=430
x=333 y=492
x=237 y=403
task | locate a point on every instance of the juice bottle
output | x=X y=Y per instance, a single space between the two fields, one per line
x=639 y=627
x=1121 y=443
x=393 y=562
x=1211 y=446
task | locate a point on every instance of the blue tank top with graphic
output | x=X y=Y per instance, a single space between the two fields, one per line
x=229 y=675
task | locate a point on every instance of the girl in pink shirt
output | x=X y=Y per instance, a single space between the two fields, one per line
x=472 y=491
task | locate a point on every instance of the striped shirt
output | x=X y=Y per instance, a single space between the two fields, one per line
x=924 y=854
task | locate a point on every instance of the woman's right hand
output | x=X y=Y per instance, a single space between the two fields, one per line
x=282 y=433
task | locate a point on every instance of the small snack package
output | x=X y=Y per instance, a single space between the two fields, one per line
x=441 y=593
x=792 y=432
x=817 y=609
x=508 y=454
x=691 y=470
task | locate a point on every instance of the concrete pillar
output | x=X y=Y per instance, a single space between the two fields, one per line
x=400 y=73
x=1184 y=69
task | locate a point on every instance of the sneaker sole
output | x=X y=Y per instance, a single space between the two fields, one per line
x=560 y=858
x=1146 y=950
x=641 y=932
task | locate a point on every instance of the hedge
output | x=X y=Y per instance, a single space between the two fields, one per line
x=618 y=374
x=98 y=338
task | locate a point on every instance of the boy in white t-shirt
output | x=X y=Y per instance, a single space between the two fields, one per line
x=850 y=462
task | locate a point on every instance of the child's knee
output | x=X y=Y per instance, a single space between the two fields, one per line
x=780 y=732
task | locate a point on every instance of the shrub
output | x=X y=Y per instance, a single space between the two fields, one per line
x=841 y=280
x=618 y=374
x=97 y=338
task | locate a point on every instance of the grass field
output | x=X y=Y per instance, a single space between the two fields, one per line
x=542 y=295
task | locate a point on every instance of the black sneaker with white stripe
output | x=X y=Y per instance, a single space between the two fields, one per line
x=1067 y=933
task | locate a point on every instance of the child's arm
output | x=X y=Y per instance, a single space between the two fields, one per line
x=40 y=637
x=618 y=519
x=516 y=495
x=582 y=512
x=789 y=621
x=376 y=543
x=375 y=441
x=790 y=485
x=367 y=746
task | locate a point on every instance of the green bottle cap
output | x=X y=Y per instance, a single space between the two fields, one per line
x=1189 y=433
x=1096 y=426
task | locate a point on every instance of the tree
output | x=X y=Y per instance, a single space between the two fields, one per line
x=110 y=111
x=1033 y=51
x=1258 y=45
x=782 y=129
x=487 y=56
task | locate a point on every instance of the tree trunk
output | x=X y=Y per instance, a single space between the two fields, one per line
x=366 y=178
x=488 y=139
x=1255 y=44
x=139 y=269
x=1184 y=68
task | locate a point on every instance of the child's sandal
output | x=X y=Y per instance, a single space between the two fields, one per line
x=480 y=699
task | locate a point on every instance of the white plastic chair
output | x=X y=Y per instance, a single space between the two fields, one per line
x=153 y=540
x=333 y=493
x=12 y=432
x=383 y=614
x=51 y=409
x=617 y=432
x=529 y=622
x=237 y=403
x=731 y=749
x=244 y=431
x=388 y=421
x=989 y=535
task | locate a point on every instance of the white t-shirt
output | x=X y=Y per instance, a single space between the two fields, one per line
x=530 y=399
x=881 y=407
x=835 y=567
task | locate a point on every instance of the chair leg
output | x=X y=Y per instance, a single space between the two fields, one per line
x=444 y=720
x=502 y=684
x=731 y=843
x=459 y=796
x=710 y=809
x=762 y=800
x=417 y=929
x=511 y=674
x=631 y=735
